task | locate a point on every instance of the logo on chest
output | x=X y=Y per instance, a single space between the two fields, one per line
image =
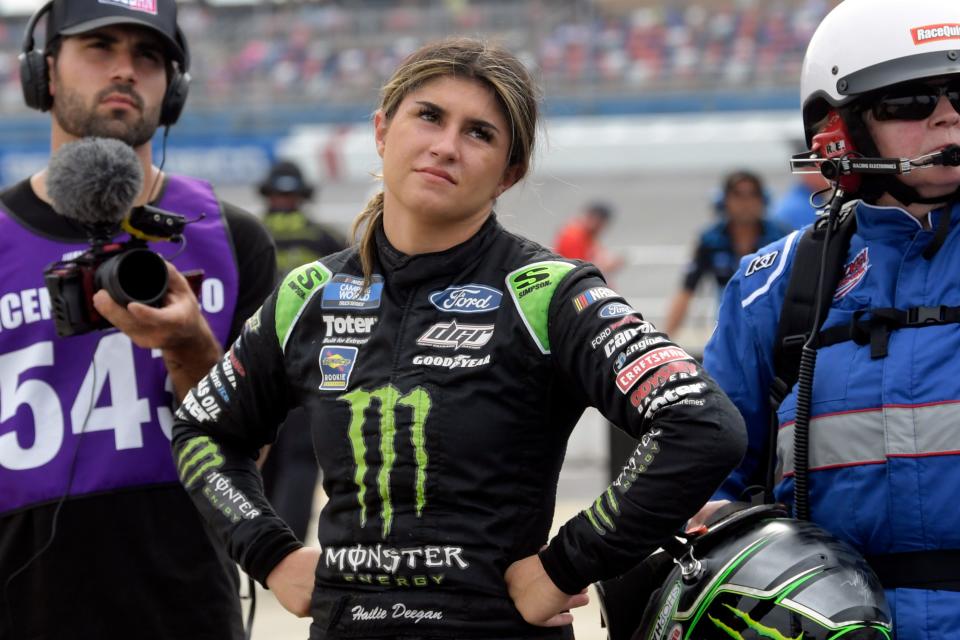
x=452 y=335
x=853 y=274
x=468 y=298
x=336 y=365
x=348 y=329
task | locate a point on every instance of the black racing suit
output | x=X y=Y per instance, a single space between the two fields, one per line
x=441 y=400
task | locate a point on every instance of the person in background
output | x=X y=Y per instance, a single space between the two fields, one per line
x=579 y=238
x=98 y=539
x=741 y=230
x=298 y=238
x=290 y=469
x=878 y=466
x=793 y=210
x=443 y=362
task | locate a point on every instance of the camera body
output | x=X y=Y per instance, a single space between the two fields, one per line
x=128 y=270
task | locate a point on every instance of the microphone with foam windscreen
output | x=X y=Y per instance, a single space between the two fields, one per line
x=94 y=181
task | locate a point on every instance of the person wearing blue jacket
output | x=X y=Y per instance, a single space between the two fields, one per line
x=884 y=441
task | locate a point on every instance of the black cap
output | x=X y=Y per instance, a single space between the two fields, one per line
x=285 y=177
x=73 y=17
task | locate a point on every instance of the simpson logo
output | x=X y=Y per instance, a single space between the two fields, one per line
x=468 y=298
x=760 y=263
x=853 y=274
x=615 y=310
x=336 y=365
x=450 y=335
x=144 y=6
x=590 y=296
x=935 y=33
x=347 y=292
x=637 y=369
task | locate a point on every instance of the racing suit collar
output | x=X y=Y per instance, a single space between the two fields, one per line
x=405 y=269
x=879 y=223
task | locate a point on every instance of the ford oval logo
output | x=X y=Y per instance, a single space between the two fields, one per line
x=467 y=298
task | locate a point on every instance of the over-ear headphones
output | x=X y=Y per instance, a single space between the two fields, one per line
x=35 y=75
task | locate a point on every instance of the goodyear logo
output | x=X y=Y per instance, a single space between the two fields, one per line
x=336 y=365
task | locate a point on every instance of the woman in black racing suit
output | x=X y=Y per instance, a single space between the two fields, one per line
x=443 y=363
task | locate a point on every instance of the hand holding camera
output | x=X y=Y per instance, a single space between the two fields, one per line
x=94 y=182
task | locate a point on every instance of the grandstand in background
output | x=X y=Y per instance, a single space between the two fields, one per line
x=258 y=65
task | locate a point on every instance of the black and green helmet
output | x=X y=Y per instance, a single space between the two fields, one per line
x=755 y=574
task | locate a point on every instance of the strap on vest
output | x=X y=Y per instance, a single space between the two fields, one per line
x=937 y=569
x=873 y=326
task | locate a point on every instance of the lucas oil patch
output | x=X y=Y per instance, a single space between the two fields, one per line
x=336 y=365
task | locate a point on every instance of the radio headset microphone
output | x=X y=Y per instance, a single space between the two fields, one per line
x=832 y=169
x=94 y=182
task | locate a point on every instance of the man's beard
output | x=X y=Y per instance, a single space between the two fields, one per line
x=80 y=121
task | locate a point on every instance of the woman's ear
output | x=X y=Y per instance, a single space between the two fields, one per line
x=380 y=131
x=510 y=177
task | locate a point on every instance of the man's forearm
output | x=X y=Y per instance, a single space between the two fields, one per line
x=189 y=362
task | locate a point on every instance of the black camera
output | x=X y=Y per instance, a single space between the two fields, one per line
x=128 y=270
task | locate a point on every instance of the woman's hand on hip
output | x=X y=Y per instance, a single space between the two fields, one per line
x=535 y=596
x=292 y=580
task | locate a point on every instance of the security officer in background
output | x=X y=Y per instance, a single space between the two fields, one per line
x=290 y=471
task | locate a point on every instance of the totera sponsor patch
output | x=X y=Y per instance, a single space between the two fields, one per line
x=347 y=292
x=336 y=365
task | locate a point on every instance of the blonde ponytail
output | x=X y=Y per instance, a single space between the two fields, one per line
x=367 y=222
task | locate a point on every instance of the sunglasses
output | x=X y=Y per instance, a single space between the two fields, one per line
x=915 y=101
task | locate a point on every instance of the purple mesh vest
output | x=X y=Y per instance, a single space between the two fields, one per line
x=95 y=401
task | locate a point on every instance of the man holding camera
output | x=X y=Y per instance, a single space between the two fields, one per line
x=97 y=537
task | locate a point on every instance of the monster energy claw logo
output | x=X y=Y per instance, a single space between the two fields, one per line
x=761 y=630
x=199 y=455
x=388 y=397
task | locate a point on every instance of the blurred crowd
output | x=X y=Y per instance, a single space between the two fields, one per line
x=340 y=52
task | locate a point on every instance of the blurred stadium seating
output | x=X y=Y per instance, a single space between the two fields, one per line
x=322 y=61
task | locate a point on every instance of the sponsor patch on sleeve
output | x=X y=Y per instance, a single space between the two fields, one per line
x=639 y=368
x=588 y=297
x=615 y=310
x=760 y=263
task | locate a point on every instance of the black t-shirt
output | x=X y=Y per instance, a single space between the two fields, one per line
x=135 y=563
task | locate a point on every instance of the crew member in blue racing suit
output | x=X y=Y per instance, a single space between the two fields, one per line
x=442 y=364
x=883 y=436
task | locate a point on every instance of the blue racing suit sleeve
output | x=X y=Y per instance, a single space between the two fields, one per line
x=739 y=354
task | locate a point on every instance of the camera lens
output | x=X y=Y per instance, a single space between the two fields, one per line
x=137 y=275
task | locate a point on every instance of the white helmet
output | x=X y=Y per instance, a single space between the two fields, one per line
x=864 y=45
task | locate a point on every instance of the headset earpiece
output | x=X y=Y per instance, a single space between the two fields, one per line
x=175 y=98
x=34 y=74
x=834 y=141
